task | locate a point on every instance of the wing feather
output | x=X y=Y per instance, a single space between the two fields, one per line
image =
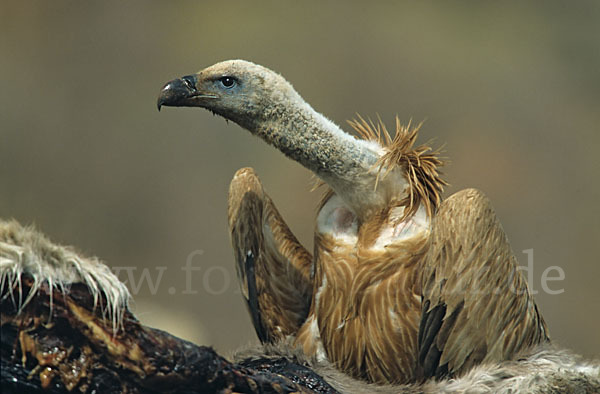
x=273 y=267
x=476 y=306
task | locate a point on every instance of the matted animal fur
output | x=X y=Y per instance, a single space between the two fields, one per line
x=23 y=250
x=544 y=369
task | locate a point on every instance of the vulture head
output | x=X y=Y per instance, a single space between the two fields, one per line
x=237 y=90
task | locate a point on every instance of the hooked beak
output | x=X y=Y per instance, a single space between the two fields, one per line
x=181 y=92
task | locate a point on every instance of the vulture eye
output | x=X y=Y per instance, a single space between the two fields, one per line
x=227 y=82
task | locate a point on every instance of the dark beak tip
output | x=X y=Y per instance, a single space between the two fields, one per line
x=173 y=93
x=166 y=94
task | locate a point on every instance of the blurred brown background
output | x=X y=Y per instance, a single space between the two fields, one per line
x=511 y=88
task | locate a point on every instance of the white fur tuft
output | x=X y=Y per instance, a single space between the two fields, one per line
x=26 y=251
x=542 y=370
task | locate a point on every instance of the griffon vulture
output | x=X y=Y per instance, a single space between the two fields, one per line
x=402 y=286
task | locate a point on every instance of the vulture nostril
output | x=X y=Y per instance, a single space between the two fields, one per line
x=189 y=82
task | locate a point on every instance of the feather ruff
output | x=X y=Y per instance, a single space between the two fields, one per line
x=420 y=164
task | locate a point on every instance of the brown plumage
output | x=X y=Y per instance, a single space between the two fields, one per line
x=405 y=286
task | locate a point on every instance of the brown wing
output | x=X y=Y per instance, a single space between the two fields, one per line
x=273 y=267
x=476 y=306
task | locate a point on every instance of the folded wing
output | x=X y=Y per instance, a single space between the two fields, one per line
x=476 y=306
x=274 y=269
